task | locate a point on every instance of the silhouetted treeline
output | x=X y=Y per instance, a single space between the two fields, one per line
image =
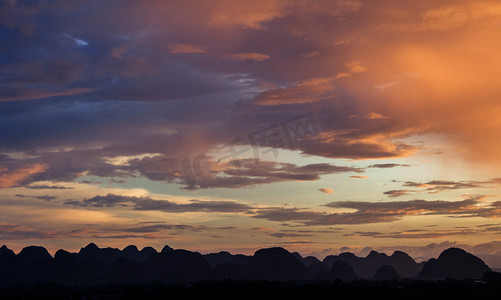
x=94 y=266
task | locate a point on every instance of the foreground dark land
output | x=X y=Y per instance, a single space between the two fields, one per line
x=261 y=289
x=272 y=273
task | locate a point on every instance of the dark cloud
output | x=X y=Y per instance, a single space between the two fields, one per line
x=158 y=228
x=421 y=234
x=378 y=212
x=293 y=243
x=42 y=197
x=193 y=206
x=90 y=182
x=397 y=193
x=288 y=235
x=10 y=231
x=312 y=90
x=308 y=217
x=132 y=88
x=365 y=212
x=146 y=203
x=12 y=94
x=388 y=165
x=109 y=200
x=349 y=148
x=436 y=186
x=124 y=236
x=48 y=187
x=207 y=173
x=410 y=207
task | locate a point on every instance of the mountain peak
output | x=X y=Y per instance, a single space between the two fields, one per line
x=166 y=249
x=454 y=263
x=373 y=253
x=33 y=253
x=5 y=250
x=91 y=246
x=130 y=248
x=452 y=252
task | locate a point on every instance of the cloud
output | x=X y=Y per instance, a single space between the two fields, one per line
x=12 y=178
x=364 y=212
x=156 y=228
x=355 y=67
x=378 y=212
x=251 y=15
x=78 y=42
x=15 y=94
x=306 y=57
x=145 y=72
x=249 y=56
x=193 y=206
x=388 y=165
x=397 y=193
x=326 y=190
x=311 y=90
x=356 y=149
x=147 y=203
x=48 y=187
x=288 y=235
x=208 y=173
x=184 y=48
x=310 y=54
x=375 y=116
x=42 y=197
x=359 y=177
x=414 y=234
x=13 y=232
x=436 y=186
x=410 y=207
x=10 y=231
x=370 y=116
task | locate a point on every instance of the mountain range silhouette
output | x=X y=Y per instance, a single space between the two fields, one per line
x=94 y=265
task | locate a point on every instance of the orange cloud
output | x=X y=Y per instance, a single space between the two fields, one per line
x=374 y=116
x=184 y=48
x=249 y=14
x=15 y=177
x=249 y=56
x=311 y=90
x=326 y=190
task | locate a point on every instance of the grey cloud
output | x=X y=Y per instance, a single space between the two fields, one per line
x=436 y=186
x=397 y=193
x=123 y=236
x=414 y=235
x=365 y=212
x=158 y=228
x=209 y=173
x=147 y=203
x=193 y=206
x=377 y=212
x=48 y=187
x=389 y=165
x=42 y=197
x=287 y=235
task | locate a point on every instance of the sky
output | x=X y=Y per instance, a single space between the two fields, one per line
x=318 y=126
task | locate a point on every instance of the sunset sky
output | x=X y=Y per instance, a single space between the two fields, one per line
x=318 y=126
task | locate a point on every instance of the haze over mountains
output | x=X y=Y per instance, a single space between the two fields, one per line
x=94 y=265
